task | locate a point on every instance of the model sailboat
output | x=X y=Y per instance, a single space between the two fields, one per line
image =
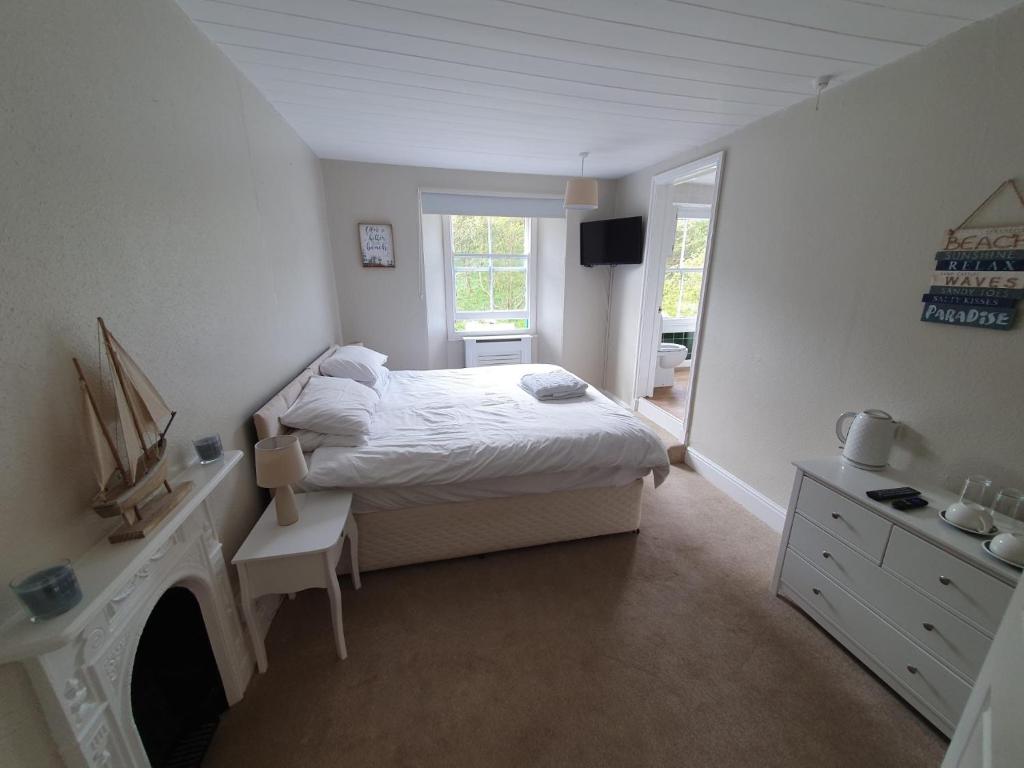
x=133 y=481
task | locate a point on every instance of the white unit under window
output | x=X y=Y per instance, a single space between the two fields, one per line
x=498 y=350
x=914 y=599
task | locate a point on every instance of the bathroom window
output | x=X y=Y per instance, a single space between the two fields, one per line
x=489 y=274
x=684 y=272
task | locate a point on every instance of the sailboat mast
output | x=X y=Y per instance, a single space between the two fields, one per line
x=119 y=372
x=99 y=419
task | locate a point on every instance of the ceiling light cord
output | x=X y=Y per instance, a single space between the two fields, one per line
x=821 y=83
x=583 y=158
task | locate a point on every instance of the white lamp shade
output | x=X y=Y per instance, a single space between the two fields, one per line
x=279 y=461
x=581 y=194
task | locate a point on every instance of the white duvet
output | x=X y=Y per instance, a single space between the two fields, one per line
x=459 y=426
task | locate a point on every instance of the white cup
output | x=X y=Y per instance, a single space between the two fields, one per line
x=968 y=514
x=1009 y=546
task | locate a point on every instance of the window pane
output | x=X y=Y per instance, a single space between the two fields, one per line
x=469 y=234
x=509 y=290
x=471 y=262
x=472 y=292
x=512 y=262
x=677 y=245
x=690 y=293
x=670 y=295
x=696 y=245
x=508 y=235
x=491 y=325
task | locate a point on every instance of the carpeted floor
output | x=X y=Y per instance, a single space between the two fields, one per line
x=663 y=649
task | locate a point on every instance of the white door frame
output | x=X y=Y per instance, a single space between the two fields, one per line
x=660 y=238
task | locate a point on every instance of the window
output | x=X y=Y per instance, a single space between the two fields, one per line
x=684 y=273
x=489 y=274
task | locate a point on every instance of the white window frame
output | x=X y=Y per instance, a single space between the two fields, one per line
x=685 y=211
x=530 y=314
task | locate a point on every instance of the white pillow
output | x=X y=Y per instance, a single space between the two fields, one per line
x=358 y=363
x=310 y=440
x=333 y=407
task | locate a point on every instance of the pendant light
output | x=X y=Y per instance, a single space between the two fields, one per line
x=581 y=193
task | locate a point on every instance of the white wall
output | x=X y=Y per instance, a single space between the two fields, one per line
x=142 y=179
x=828 y=225
x=396 y=310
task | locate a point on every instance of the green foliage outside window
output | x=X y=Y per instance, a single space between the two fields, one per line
x=490 y=261
x=681 y=293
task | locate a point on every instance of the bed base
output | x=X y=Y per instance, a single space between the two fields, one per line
x=393 y=537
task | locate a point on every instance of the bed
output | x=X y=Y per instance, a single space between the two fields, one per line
x=464 y=462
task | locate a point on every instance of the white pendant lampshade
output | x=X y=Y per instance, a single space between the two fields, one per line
x=581 y=193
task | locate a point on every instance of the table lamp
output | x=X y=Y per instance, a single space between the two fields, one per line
x=279 y=462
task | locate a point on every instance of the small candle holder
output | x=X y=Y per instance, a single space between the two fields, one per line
x=48 y=593
x=208 y=449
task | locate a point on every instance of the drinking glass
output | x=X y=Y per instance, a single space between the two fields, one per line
x=975 y=489
x=1010 y=502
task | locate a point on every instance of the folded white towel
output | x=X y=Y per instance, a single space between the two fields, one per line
x=553 y=385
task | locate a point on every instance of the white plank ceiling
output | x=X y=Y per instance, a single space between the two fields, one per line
x=525 y=85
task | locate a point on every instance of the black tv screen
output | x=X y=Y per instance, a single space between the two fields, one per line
x=612 y=241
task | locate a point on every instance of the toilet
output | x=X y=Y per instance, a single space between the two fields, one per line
x=670 y=356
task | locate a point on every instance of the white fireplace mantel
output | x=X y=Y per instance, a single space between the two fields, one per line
x=81 y=662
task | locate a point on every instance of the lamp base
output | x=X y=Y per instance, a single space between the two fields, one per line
x=284 y=504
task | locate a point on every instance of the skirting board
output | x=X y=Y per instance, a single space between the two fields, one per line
x=751 y=499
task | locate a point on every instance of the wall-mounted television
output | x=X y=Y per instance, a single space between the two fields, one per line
x=612 y=241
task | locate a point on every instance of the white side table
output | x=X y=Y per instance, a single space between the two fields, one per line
x=286 y=559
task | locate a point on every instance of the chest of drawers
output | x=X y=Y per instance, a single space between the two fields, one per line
x=917 y=601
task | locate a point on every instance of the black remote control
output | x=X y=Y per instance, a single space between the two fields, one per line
x=914 y=502
x=888 y=494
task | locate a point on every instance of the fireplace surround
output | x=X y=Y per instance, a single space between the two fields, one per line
x=81 y=662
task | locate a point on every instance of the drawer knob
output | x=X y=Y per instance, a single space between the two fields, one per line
x=826 y=554
x=911 y=669
x=929 y=627
x=815 y=590
x=945 y=581
x=836 y=515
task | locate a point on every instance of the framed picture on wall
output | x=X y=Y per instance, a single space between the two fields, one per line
x=377 y=245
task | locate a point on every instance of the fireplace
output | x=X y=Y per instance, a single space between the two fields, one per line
x=159 y=605
x=176 y=692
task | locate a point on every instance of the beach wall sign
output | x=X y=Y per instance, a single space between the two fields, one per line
x=978 y=274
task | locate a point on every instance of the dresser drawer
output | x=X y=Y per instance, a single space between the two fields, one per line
x=950 y=638
x=905 y=661
x=951 y=581
x=859 y=527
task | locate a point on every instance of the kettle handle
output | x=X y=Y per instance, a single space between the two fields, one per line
x=841 y=433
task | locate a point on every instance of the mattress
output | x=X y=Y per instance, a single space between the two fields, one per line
x=455 y=435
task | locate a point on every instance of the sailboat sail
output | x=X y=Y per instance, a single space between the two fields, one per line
x=134 y=449
x=149 y=406
x=104 y=461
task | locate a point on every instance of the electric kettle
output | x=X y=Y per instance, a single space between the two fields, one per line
x=868 y=438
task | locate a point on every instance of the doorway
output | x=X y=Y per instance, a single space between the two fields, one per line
x=680 y=233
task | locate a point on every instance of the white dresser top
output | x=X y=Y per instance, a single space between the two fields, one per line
x=854 y=482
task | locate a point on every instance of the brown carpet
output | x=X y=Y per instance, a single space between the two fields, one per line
x=662 y=649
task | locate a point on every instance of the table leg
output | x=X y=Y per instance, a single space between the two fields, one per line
x=334 y=592
x=249 y=611
x=353 y=549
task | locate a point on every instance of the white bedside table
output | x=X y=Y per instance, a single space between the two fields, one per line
x=286 y=559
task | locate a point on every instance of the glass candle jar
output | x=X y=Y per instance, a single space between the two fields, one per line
x=208 y=448
x=49 y=592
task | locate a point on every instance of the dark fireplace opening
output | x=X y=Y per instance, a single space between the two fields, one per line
x=177 y=694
